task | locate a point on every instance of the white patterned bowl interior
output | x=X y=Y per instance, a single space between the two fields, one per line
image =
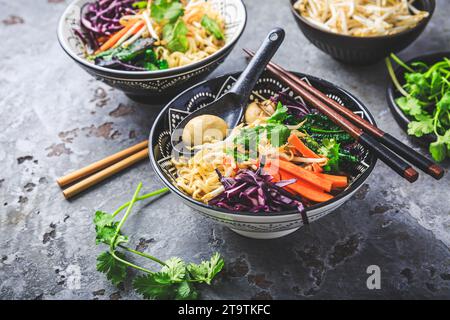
x=152 y=83
x=259 y=225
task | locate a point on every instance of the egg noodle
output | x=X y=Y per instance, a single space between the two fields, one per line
x=201 y=43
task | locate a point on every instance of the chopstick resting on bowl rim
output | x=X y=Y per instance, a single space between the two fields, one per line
x=385 y=154
x=406 y=152
x=100 y=170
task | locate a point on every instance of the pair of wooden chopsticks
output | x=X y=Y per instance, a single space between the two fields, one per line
x=386 y=147
x=102 y=169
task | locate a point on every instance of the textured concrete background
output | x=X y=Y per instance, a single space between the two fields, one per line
x=55 y=118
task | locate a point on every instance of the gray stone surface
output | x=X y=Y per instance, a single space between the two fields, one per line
x=56 y=118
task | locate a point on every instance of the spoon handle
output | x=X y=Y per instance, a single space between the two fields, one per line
x=247 y=80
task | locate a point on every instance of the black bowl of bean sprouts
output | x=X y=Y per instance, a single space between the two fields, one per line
x=360 y=46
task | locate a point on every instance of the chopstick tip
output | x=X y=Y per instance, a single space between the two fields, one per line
x=436 y=171
x=410 y=174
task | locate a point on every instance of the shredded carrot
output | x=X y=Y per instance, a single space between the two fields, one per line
x=301 y=147
x=138 y=28
x=116 y=37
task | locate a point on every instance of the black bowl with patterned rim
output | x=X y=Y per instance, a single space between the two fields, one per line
x=153 y=86
x=362 y=50
x=266 y=225
x=392 y=93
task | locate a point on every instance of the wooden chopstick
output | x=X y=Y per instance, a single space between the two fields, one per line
x=96 y=166
x=105 y=173
x=417 y=159
x=386 y=155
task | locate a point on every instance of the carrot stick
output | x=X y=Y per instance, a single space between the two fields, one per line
x=336 y=181
x=305 y=175
x=301 y=147
x=305 y=189
x=115 y=37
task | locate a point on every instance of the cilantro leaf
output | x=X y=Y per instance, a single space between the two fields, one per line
x=103 y=219
x=423 y=125
x=105 y=228
x=174 y=270
x=277 y=134
x=186 y=291
x=212 y=27
x=410 y=106
x=149 y=286
x=247 y=140
x=166 y=10
x=280 y=115
x=206 y=270
x=444 y=103
x=438 y=150
x=115 y=270
x=175 y=35
x=417 y=85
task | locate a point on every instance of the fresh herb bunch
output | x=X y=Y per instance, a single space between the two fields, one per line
x=426 y=99
x=175 y=279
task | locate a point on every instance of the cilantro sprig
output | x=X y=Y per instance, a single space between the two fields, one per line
x=212 y=27
x=426 y=99
x=175 y=280
x=167 y=11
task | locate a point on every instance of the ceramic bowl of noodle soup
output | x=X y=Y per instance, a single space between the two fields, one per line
x=259 y=225
x=178 y=63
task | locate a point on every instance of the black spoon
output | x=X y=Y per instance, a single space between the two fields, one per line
x=230 y=107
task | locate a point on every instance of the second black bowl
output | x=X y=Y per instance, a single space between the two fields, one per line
x=362 y=50
x=152 y=87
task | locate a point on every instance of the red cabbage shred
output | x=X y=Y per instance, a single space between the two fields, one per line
x=255 y=192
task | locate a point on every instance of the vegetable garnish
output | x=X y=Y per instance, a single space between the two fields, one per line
x=426 y=99
x=175 y=280
x=301 y=147
x=253 y=192
x=296 y=110
x=256 y=191
x=175 y=36
x=181 y=33
x=212 y=27
x=285 y=154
